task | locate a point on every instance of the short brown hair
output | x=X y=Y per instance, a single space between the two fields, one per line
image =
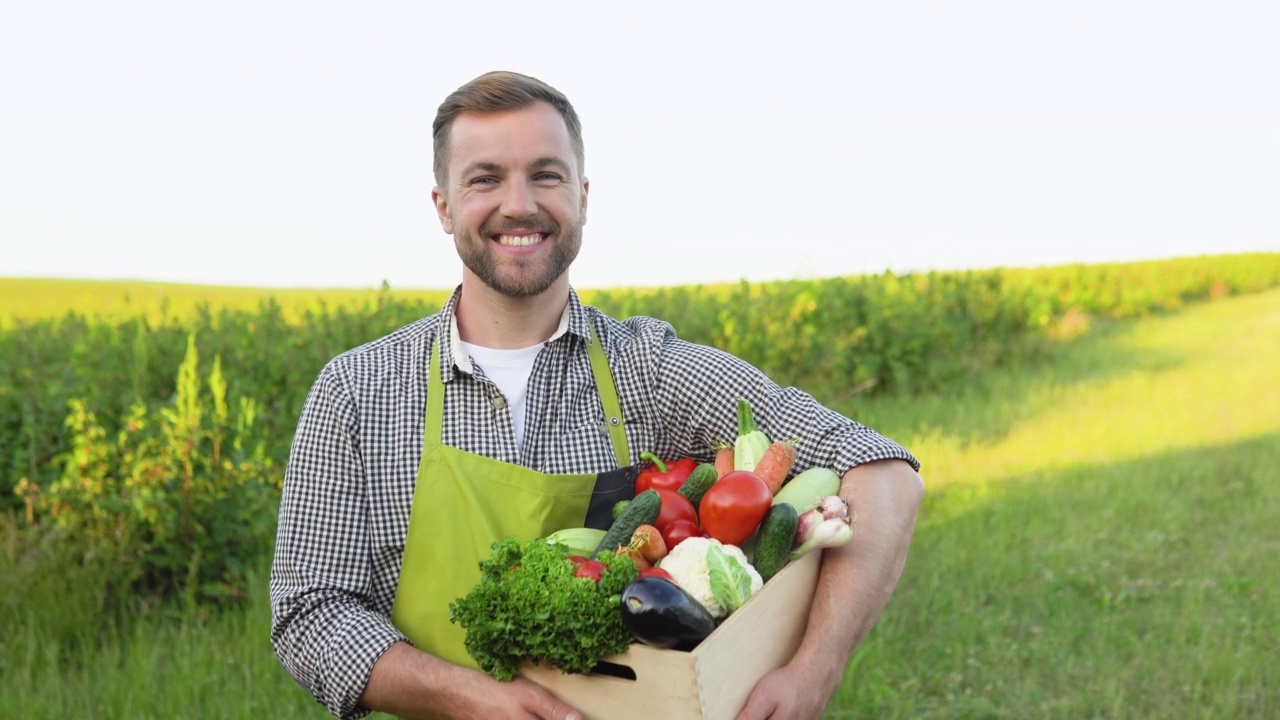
x=494 y=92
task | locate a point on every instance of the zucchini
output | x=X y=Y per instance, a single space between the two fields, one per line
x=776 y=536
x=698 y=482
x=642 y=510
x=580 y=540
x=807 y=488
x=751 y=442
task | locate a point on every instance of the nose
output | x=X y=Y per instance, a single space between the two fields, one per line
x=518 y=201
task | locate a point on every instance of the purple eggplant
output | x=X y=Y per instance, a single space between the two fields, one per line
x=660 y=613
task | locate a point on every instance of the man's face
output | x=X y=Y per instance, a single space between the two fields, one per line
x=514 y=200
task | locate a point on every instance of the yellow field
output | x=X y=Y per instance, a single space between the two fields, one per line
x=32 y=298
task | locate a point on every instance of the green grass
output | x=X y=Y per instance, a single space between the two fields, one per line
x=1095 y=536
x=1094 y=544
x=166 y=665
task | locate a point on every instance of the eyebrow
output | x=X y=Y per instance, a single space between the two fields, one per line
x=484 y=166
x=555 y=162
x=538 y=164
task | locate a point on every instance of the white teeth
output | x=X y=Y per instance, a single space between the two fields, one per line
x=519 y=240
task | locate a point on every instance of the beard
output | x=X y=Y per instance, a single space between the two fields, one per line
x=521 y=277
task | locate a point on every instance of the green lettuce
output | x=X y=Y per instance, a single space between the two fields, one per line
x=528 y=607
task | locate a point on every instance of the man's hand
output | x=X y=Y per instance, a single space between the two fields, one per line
x=523 y=699
x=410 y=683
x=789 y=693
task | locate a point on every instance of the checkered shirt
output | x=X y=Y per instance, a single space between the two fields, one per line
x=350 y=478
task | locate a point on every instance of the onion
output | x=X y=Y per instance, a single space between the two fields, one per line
x=833 y=507
x=817 y=532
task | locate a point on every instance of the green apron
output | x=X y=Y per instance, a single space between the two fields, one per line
x=463 y=503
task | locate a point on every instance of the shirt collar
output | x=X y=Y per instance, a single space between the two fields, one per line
x=454 y=355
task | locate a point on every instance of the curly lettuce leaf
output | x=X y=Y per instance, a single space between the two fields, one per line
x=528 y=607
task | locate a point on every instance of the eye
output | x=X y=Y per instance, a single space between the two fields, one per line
x=548 y=176
x=483 y=180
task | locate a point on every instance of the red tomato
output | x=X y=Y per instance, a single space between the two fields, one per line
x=590 y=569
x=734 y=506
x=675 y=507
x=656 y=572
x=677 y=531
x=577 y=559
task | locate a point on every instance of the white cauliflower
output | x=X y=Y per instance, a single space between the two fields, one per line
x=687 y=563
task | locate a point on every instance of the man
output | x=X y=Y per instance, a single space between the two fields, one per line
x=499 y=414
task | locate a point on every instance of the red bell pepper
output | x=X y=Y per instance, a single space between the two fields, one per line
x=661 y=475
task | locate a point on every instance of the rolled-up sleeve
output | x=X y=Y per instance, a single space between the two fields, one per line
x=324 y=630
x=826 y=438
x=699 y=387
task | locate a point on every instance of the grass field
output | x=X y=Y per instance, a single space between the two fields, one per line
x=1096 y=533
x=33 y=298
x=1094 y=544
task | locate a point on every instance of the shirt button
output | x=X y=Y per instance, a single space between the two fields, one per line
x=499 y=402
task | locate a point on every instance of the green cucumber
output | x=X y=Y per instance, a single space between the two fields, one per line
x=698 y=482
x=774 y=540
x=807 y=488
x=642 y=510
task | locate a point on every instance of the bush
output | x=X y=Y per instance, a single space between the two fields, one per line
x=104 y=453
x=181 y=494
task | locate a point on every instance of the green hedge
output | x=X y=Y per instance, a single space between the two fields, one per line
x=86 y=400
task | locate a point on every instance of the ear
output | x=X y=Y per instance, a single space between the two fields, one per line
x=442 y=209
x=586 y=185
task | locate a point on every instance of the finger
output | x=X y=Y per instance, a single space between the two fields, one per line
x=761 y=704
x=754 y=709
x=556 y=710
x=546 y=705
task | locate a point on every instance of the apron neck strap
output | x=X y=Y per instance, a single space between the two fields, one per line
x=434 y=429
x=608 y=399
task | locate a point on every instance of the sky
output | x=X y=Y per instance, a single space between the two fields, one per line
x=287 y=144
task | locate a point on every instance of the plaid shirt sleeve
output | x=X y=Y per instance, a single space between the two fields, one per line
x=693 y=392
x=826 y=438
x=324 y=628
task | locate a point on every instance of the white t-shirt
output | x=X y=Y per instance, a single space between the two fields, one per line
x=509 y=370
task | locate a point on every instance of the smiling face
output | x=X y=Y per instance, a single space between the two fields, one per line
x=513 y=199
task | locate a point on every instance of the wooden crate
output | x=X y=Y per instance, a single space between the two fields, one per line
x=712 y=681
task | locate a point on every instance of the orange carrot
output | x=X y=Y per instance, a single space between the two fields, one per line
x=776 y=463
x=724 y=459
